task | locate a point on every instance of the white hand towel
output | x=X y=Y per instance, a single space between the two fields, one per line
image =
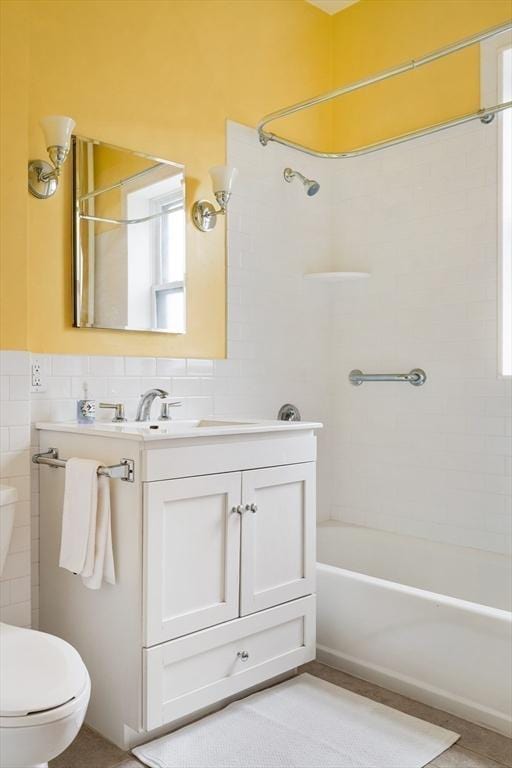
x=103 y=566
x=78 y=514
x=86 y=541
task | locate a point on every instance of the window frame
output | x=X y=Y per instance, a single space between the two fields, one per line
x=173 y=201
x=155 y=205
x=491 y=89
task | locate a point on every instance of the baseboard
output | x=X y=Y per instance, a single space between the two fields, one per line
x=417 y=690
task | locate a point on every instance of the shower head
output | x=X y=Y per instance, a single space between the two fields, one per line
x=310 y=186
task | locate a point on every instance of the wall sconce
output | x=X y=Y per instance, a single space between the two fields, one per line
x=204 y=214
x=43 y=177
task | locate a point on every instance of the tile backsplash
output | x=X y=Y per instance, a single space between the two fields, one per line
x=15 y=581
x=121 y=379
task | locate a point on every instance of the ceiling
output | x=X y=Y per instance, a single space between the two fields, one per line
x=332 y=6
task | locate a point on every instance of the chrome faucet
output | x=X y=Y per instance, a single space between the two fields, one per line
x=146 y=401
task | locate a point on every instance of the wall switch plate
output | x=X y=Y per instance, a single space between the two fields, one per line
x=37 y=378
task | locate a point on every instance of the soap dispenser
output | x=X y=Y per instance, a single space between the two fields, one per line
x=85 y=408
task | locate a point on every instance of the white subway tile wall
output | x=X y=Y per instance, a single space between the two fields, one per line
x=15 y=587
x=433 y=461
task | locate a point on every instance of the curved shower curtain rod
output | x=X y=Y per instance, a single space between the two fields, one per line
x=485 y=115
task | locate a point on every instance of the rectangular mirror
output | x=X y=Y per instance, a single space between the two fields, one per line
x=129 y=247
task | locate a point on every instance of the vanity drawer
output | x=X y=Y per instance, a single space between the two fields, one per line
x=201 y=456
x=195 y=671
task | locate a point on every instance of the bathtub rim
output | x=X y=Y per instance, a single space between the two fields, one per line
x=502 y=614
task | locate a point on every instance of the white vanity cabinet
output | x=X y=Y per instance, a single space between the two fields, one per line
x=214 y=546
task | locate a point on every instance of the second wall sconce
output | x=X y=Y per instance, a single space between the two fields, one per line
x=43 y=177
x=204 y=214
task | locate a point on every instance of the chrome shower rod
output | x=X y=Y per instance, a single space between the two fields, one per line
x=485 y=115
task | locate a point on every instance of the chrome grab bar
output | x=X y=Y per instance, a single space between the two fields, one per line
x=417 y=377
x=125 y=470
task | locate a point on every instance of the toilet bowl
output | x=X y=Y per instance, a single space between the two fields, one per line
x=44 y=684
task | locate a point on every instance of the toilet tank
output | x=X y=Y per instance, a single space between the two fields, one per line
x=8 y=498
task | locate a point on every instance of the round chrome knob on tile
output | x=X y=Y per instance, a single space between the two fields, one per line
x=251 y=507
x=242 y=655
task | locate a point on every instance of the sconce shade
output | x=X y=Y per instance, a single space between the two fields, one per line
x=43 y=177
x=57 y=130
x=204 y=214
x=223 y=177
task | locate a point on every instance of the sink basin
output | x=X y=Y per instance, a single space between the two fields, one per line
x=165 y=427
x=222 y=423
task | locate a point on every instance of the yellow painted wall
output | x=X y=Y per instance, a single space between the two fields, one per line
x=158 y=76
x=162 y=76
x=373 y=35
x=13 y=176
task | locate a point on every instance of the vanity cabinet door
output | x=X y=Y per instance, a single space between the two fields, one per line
x=278 y=538
x=191 y=554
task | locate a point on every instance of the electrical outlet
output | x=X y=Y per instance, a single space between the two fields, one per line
x=37 y=382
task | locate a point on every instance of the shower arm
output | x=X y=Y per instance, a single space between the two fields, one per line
x=486 y=115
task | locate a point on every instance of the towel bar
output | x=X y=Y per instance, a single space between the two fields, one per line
x=125 y=470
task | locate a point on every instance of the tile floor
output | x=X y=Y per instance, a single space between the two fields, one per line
x=476 y=748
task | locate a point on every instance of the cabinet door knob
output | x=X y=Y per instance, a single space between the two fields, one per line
x=242 y=655
x=251 y=507
x=240 y=509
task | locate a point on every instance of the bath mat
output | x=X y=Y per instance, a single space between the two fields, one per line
x=301 y=723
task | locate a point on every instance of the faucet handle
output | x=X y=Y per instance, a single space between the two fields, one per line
x=164 y=411
x=118 y=408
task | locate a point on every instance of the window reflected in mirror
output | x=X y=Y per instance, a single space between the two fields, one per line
x=129 y=240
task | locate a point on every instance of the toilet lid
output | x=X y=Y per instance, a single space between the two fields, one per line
x=37 y=671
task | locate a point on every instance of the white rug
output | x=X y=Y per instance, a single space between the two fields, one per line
x=302 y=723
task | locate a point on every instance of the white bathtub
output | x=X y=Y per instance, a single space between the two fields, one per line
x=431 y=621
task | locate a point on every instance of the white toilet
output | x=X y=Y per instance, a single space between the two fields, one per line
x=44 y=684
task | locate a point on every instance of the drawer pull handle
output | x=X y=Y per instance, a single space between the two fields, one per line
x=240 y=509
x=251 y=508
x=242 y=655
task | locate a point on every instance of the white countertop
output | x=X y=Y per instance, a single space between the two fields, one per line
x=177 y=428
